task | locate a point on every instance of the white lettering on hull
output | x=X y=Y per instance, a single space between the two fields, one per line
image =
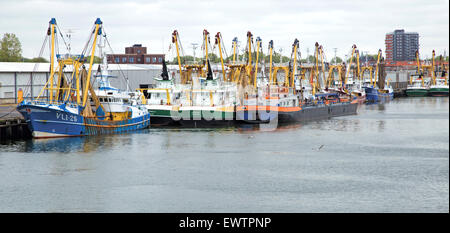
x=66 y=117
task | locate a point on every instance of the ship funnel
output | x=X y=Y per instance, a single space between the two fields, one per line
x=164 y=74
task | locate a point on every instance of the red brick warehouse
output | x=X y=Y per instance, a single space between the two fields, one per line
x=135 y=55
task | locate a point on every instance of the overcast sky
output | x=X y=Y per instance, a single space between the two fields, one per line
x=334 y=24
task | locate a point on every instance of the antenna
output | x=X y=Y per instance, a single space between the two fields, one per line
x=281 y=56
x=335 y=57
x=307 y=55
x=366 y=54
x=194 y=47
x=68 y=34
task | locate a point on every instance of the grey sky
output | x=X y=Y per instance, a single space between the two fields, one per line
x=334 y=24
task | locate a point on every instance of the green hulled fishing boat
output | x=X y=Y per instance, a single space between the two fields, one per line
x=440 y=88
x=418 y=87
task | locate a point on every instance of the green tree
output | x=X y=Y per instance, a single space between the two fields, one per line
x=10 y=48
x=276 y=57
x=97 y=60
x=39 y=60
x=36 y=59
x=337 y=60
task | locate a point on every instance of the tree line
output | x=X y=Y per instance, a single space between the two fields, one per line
x=11 y=51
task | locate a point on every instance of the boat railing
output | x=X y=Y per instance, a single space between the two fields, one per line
x=56 y=103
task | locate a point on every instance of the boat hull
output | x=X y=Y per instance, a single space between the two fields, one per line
x=160 y=117
x=371 y=94
x=383 y=97
x=309 y=113
x=202 y=118
x=46 y=122
x=416 y=92
x=306 y=113
x=438 y=92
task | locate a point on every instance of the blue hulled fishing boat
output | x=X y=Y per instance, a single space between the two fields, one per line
x=72 y=106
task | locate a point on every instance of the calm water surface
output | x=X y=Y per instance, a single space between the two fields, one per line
x=391 y=157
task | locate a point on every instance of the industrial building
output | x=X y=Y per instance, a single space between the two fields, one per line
x=136 y=54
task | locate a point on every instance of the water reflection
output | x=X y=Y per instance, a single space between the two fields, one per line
x=384 y=117
x=74 y=144
x=246 y=128
x=68 y=145
x=381 y=125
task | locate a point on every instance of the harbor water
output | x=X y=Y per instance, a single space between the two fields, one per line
x=391 y=157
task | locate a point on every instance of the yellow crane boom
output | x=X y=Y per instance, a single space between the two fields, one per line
x=218 y=41
x=376 y=68
x=175 y=41
x=270 y=61
x=349 y=66
x=258 y=46
x=97 y=31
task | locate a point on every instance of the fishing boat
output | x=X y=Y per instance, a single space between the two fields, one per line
x=74 y=107
x=370 y=90
x=294 y=100
x=418 y=86
x=159 y=99
x=386 y=93
x=208 y=102
x=440 y=88
x=205 y=100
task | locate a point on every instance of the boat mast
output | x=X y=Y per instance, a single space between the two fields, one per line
x=316 y=57
x=52 y=55
x=175 y=41
x=270 y=61
x=206 y=45
x=418 y=61
x=433 y=74
x=219 y=42
x=376 y=69
x=358 y=64
x=349 y=66
x=294 y=67
x=258 y=45
x=96 y=32
x=323 y=63
x=249 y=61
x=235 y=41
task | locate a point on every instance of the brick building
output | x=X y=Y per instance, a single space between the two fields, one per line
x=135 y=55
x=401 y=45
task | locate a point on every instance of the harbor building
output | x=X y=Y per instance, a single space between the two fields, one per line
x=401 y=46
x=136 y=54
